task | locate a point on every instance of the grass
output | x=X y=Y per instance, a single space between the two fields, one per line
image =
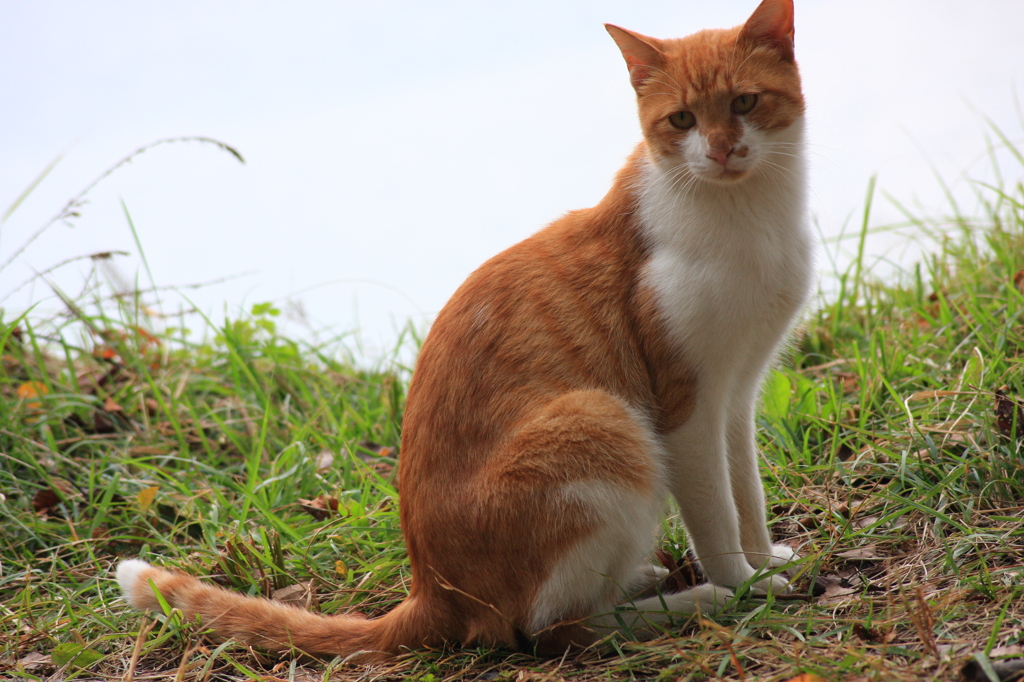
x=891 y=456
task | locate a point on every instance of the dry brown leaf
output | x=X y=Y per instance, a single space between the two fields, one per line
x=324 y=461
x=33 y=661
x=384 y=469
x=299 y=594
x=111 y=406
x=44 y=500
x=864 y=522
x=321 y=507
x=1006 y=409
x=835 y=590
x=682 y=574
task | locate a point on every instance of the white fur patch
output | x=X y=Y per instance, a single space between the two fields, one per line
x=592 y=575
x=128 y=576
x=731 y=267
x=731 y=263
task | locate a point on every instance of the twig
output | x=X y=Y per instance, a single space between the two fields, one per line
x=69 y=209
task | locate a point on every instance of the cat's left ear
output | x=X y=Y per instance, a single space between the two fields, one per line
x=772 y=23
x=640 y=52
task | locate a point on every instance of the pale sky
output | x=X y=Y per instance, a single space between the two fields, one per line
x=393 y=146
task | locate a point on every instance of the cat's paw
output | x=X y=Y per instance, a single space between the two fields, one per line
x=644 y=577
x=776 y=556
x=706 y=598
x=741 y=573
x=776 y=584
x=782 y=555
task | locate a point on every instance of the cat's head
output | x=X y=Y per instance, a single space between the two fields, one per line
x=718 y=104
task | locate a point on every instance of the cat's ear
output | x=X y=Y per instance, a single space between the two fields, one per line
x=772 y=23
x=640 y=52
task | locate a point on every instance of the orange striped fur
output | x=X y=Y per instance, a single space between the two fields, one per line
x=577 y=380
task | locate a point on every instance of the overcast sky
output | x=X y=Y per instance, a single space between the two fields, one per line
x=393 y=146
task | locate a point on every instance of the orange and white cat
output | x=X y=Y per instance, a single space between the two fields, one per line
x=578 y=379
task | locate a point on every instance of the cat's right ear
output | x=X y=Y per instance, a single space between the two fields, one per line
x=640 y=52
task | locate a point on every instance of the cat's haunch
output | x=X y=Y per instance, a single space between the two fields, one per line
x=577 y=380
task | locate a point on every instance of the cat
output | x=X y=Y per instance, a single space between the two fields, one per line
x=578 y=379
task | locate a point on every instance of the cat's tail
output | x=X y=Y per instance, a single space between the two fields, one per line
x=272 y=625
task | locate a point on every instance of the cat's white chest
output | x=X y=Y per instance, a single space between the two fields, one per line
x=730 y=269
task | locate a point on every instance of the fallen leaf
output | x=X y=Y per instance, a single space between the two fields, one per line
x=862 y=523
x=324 y=461
x=34 y=660
x=836 y=589
x=44 y=500
x=384 y=469
x=682 y=573
x=1006 y=409
x=146 y=496
x=110 y=406
x=321 y=507
x=74 y=655
x=1007 y=651
x=32 y=389
x=299 y=594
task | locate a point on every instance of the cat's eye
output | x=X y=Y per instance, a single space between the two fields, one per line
x=743 y=104
x=684 y=120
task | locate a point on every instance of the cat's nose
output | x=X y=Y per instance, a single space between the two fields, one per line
x=720 y=155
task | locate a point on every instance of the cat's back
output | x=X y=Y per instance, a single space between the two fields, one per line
x=554 y=313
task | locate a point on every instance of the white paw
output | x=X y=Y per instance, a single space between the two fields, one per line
x=709 y=598
x=776 y=584
x=782 y=555
x=776 y=556
x=739 y=572
x=645 y=576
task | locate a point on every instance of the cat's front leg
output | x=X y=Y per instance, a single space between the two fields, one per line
x=748 y=492
x=701 y=484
